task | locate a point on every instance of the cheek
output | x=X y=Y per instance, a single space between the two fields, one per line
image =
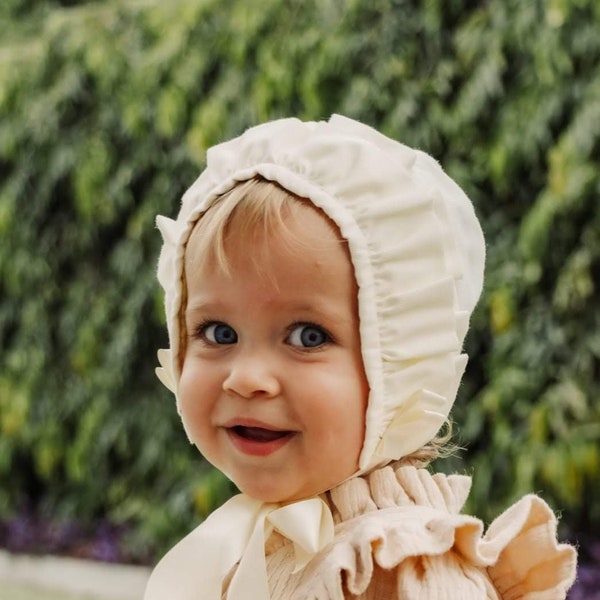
x=354 y=424
x=355 y=415
x=341 y=444
x=194 y=398
x=340 y=418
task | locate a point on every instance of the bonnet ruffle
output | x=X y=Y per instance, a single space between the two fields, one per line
x=415 y=244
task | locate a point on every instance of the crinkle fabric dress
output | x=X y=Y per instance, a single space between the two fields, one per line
x=399 y=535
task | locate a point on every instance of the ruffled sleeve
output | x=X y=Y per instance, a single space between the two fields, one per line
x=528 y=562
x=399 y=535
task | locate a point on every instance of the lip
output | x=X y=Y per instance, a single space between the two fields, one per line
x=251 y=422
x=255 y=447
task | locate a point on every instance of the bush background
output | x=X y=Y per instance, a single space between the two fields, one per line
x=107 y=109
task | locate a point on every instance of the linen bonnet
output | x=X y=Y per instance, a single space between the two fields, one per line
x=415 y=244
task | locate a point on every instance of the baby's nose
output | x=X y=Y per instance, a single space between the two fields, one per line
x=252 y=376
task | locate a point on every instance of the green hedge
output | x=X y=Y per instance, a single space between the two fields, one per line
x=107 y=109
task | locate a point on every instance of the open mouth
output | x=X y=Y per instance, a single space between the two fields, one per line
x=258 y=434
x=258 y=441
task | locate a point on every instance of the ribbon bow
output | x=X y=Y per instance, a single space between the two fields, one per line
x=195 y=568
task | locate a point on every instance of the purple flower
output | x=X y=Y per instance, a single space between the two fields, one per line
x=20 y=534
x=106 y=544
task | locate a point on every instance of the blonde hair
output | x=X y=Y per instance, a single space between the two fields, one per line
x=252 y=210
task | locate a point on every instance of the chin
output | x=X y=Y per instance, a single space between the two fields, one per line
x=269 y=493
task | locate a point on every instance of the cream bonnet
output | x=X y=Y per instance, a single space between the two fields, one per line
x=415 y=243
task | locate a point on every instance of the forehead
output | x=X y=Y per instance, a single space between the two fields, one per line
x=255 y=226
x=302 y=239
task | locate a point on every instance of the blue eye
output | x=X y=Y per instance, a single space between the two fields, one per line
x=219 y=333
x=308 y=336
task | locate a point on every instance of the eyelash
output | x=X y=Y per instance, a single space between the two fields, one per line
x=328 y=337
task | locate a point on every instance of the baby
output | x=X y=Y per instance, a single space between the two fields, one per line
x=319 y=281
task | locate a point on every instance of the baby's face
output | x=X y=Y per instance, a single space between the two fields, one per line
x=273 y=390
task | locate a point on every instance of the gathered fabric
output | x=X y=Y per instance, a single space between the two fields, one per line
x=396 y=533
x=399 y=535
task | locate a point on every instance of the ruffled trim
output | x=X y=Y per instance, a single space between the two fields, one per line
x=408 y=522
x=530 y=563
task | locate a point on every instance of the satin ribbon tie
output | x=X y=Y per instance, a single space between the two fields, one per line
x=308 y=524
x=235 y=534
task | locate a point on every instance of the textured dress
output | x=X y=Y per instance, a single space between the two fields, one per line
x=399 y=535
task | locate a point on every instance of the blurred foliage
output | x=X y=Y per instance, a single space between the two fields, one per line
x=107 y=109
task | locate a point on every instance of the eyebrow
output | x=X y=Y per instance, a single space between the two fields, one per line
x=219 y=307
x=204 y=307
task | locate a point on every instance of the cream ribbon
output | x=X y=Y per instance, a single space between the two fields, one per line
x=195 y=568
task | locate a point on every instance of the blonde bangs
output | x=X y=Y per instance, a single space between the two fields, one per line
x=251 y=211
